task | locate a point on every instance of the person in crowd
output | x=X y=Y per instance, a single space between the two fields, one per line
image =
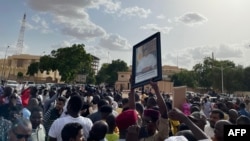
x=97 y=115
x=74 y=107
x=105 y=111
x=242 y=110
x=155 y=122
x=247 y=102
x=72 y=132
x=215 y=116
x=186 y=107
x=49 y=103
x=111 y=135
x=222 y=106
x=25 y=96
x=5 y=97
x=14 y=113
x=38 y=130
x=188 y=134
x=52 y=114
x=21 y=130
x=110 y=100
x=98 y=131
x=243 y=120
x=11 y=109
x=219 y=130
x=199 y=119
x=33 y=102
x=125 y=104
x=151 y=102
x=5 y=126
x=207 y=106
x=173 y=124
x=94 y=107
x=177 y=114
x=124 y=120
x=195 y=108
x=233 y=115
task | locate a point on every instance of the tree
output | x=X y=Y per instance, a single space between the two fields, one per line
x=233 y=79
x=203 y=73
x=102 y=75
x=33 y=69
x=19 y=75
x=47 y=63
x=184 y=77
x=246 y=76
x=109 y=72
x=69 y=61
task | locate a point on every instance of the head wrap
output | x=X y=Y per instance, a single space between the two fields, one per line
x=152 y=113
x=126 y=119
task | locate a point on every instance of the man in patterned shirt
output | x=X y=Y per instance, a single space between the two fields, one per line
x=52 y=114
x=5 y=126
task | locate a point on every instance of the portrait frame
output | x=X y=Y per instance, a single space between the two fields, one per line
x=146 y=61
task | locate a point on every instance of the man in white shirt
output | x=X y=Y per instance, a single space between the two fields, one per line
x=74 y=106
x=215 y=116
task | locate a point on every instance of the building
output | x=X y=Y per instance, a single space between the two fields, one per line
x=168 y=71
x=165 y=85
x=20 y=63
x=95 y=63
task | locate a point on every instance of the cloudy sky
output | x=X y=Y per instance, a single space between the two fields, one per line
x=190 y=29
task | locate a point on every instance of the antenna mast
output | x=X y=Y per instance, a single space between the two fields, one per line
x=19 y=44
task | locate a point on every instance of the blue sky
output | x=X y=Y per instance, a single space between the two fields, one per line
x=190 y=29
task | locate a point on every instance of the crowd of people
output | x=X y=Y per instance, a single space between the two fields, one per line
x=87 y=114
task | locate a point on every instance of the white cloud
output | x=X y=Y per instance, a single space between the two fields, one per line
x=35 y=18
x=30 y=26
x=135 y=11
x=71 y=16
x=161 y=16
x=39 y=24
x=229 y=51
x=111 y=7
x=155 y=27
x=61 y=44
x=188 y=57
x=192 y=18
x=114 y=42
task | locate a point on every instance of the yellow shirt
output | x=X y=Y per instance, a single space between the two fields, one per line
x=112 y=137
x=174 y=126
x=162 y=133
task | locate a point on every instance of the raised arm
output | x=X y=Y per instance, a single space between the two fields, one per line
x=131 y=96
x=177 y=114
x=161 y=103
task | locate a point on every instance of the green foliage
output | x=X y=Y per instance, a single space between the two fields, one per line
x=246 y=78
x=69 y=61
x=33 y=69
x=184 y=78
x=102 y=74
x=109 y=72
x=47 y=63
x=19 y=75
x=209 y=73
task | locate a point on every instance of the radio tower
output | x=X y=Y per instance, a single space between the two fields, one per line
x=19 y=44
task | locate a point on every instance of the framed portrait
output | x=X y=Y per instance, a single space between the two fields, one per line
x=146 y=59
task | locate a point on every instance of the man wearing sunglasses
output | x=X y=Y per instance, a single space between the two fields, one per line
x=21 y=130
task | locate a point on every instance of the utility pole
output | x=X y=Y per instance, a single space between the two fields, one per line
x=222 y=81
x=222 y=76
